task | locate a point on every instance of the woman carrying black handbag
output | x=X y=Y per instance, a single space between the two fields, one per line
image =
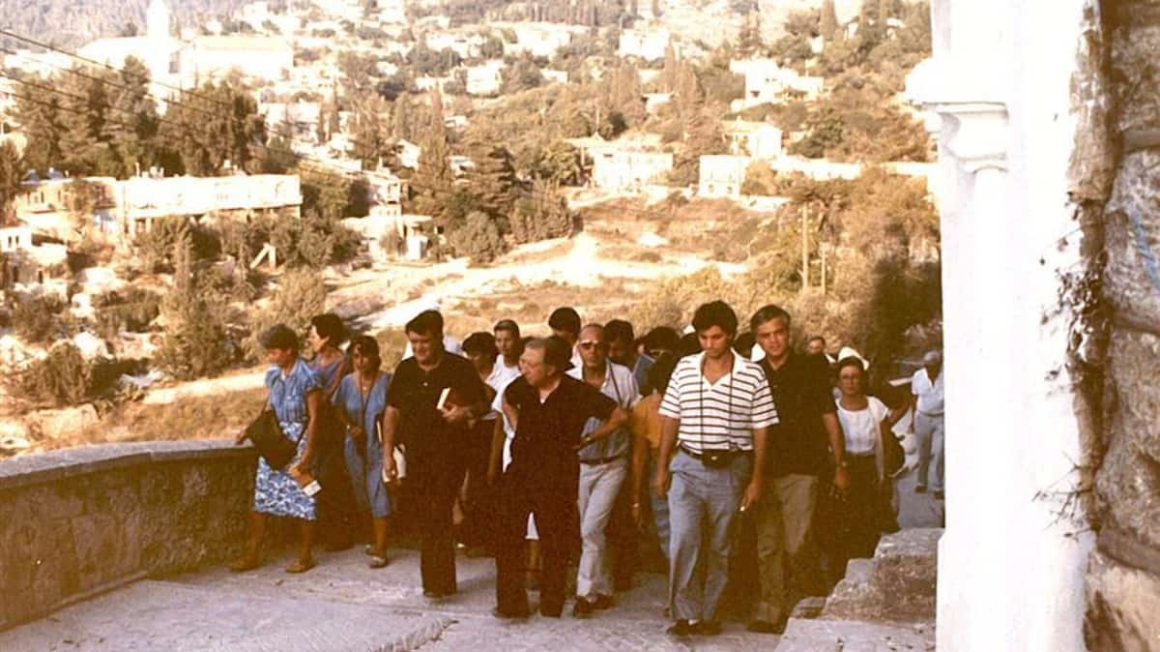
x=295 y=398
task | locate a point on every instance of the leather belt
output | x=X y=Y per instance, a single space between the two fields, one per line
x=603 y=460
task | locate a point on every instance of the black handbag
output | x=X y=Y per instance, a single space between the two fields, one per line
x=272 y=444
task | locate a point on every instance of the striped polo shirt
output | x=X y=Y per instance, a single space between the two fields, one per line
x=722 y=415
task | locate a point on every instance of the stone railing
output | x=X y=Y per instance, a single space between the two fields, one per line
x=78 y=522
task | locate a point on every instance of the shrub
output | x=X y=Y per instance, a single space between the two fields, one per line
x=478 y=238
x=41 y=319
x=61 y=379
x=301 y=294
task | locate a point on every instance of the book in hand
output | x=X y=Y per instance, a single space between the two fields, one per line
x=400 y=458
x=306 y=482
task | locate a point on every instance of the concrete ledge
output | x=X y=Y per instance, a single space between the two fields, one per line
x=81 y=521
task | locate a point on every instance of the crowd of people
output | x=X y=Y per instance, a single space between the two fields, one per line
x=552 y=452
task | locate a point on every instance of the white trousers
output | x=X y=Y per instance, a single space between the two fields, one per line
x=600 y=484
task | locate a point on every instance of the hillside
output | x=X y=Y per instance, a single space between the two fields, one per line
x=71 y=23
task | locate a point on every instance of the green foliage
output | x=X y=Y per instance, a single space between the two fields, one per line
x=156 y=247
x=61 y=379
x=493 y=180
x=478 y=238
x=41 y=319
x=11 y=174
x=301 y=294
x=521 y=75
x=432 y=183
x=195 y=343
x=542 y=215
x=132 y=309
x=426 y=61
x=216 y=127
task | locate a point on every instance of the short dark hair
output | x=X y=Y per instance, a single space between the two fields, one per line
x=481 y=342
x=661 y=371
x=556 y=351
x=715 y=313
x=619 y=330
x=661 y=338
x=329 y=327
x=280 y=337
x=367 y=346
x=768 y=313
x=745 y=342
x=428 y=322
x=565 y=319
x=851 y=361
x=688 y=345
x=507 y=325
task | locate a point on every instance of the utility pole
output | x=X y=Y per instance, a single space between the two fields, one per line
x=805 y=250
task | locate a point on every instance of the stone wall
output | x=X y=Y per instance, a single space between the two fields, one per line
x=77 y=522
x=1124 y=573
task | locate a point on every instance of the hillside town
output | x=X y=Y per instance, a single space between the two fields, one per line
x=183 y=170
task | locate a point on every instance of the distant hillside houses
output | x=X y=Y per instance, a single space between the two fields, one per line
x=120 y=209
x=537 y=39
x=721 y=176
x=647 y=43
x=768 y=83
x=186 y=63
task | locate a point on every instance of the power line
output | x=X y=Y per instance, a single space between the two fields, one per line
x=94 y=62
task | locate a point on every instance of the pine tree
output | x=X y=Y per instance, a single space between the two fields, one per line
x=829 y=21
x=749 y=41
x=371 y=137
x=690 y=95
x=542 y=215
x=216 y=127
x=11 y=174
x=625 y=94
x=493 y=180
x=41 y=115
x=133 y=136
x=432 y=182
x=670 y=74
x=479 y=238
x=87 y=137
x=195 y=342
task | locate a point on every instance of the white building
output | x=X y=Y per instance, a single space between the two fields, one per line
x=648 y=43
x=40 y=64
x=303 y=118
x=466 y=45
x=721 y=176
x=759 y=140
x=629 y=171
x=553 y=76
x=408 y=154
x=189 y=62
x=28 y=267
x=392 y=12
x=654 y=101
x=538 y=39
x=485 y=79
x=768 y=83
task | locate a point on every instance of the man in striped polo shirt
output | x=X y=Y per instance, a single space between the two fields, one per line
x=716 y=415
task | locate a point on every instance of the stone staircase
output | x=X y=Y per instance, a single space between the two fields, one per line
x=884 y=604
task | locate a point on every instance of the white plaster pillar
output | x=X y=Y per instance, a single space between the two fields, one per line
x=1010 y=571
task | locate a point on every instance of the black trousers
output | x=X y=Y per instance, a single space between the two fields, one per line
x=437 y=484
x=480 y=525
x=555 y=512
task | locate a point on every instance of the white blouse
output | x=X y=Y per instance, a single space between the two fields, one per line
x=862 y=428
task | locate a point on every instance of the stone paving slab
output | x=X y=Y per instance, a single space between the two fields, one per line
x=855 y=636
x=166 y=616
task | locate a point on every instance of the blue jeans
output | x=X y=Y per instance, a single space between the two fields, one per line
x=702 y=499
x=660 y=508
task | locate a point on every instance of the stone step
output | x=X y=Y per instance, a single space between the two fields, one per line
x=855 y=636
x=898 y=584
x=161 y=615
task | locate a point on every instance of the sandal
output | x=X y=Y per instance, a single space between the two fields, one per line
x=301 y=566
x=378 y=561
x=244 y=564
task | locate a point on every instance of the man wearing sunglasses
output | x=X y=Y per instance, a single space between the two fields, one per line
x=603 y=469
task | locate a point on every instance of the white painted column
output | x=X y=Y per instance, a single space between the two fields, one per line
x=1010 y=574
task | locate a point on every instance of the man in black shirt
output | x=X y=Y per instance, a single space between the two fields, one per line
x=431 y=398
x=798 y=457
x=548 y=411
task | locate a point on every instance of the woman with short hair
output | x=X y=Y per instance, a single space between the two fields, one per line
x=295 y=397
x=359 y=402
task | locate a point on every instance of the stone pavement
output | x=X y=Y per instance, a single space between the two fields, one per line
x=343 y=605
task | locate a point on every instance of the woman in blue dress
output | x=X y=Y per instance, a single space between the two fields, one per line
x=296 y=398
x=360 y=401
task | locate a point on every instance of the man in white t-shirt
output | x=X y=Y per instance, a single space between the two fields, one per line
x=929 y=430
